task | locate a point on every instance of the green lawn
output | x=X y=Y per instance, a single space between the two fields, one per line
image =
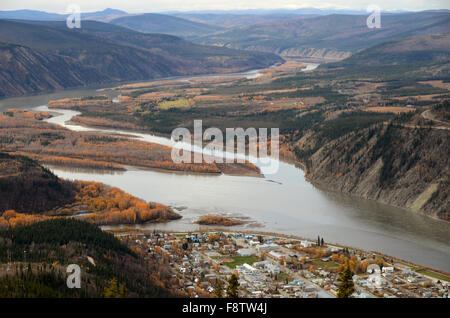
x=179 y=103
x=320 y=263
x=239 y=260
x=436 y=275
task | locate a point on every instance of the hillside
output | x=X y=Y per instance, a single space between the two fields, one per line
x=35 y=15
x=25 y=186
x=30 y=192
x=429 y=49
x=52 y=245
x=404 y=163
x=43 y=56
x=230 y=20
x=331 y=36
x=24 y=70
x=162 y=23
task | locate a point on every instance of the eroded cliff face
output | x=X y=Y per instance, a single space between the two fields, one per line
x=320 y=53
x=295 y=51
x=396 y=164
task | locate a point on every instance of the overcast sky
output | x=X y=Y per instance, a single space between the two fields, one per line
x=136 y=6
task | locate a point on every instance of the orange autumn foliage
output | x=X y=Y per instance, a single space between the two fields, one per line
x=211 y=219
x=11 y=218
x=111 y=206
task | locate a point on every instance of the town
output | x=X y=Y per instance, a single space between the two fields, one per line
x=269 y=266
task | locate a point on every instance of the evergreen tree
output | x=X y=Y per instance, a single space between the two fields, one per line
x=232 y=288
x=346 y=286
x=219 y=288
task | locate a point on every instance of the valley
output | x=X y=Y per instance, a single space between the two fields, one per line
x=88 y=176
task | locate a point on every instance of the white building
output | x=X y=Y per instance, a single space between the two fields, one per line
x=388 y=269
x=373 y=268
x=267 y=247
x=275 y=255
x=245 y=252
x=273 y=269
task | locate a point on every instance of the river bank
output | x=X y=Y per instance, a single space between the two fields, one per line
x=283 y=203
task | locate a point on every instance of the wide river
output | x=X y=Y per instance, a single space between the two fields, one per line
x=283 y=202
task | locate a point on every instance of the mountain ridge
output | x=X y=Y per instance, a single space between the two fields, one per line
x=38 y=56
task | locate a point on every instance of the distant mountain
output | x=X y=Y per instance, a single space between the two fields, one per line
x=330 y=36
x=104 y=16
x=229 y=20
x=272 y=11
x=31 y=15
x=161 y=23
x=34 y=15
x=38 y=56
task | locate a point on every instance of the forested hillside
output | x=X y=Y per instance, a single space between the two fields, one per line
x=39 y=254
x=25 y=186
x=37 y=56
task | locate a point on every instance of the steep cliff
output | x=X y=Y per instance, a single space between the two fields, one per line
x=404 y=163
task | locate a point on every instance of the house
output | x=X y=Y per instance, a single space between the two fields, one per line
x=275 y=255
x=373 y=268
x=245 y=252
x=249 y=267
x=261 y=264
x=324 y=273
x=375 y=280
x=306 y=243
x=267 y=247
x=309 y=288
x=297 y=282
x=273 y=269
x=388 y=269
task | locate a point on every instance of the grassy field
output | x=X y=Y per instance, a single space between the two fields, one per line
x=430 y=273
x=322 y=264
x=239 y=260
x=179 y=103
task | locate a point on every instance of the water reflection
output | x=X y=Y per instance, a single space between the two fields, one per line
x=284 y=203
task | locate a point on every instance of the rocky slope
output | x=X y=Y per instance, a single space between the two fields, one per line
x=404 y=163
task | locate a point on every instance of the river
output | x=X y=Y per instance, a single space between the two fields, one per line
x=283 y=202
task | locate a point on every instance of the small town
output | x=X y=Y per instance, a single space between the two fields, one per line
x=201 y=264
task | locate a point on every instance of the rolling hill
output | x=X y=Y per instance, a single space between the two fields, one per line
x=332 y=36
x=26 y=186
x=38 y=56
x=230 y=20
x=434 y=48
x=34 y=15
x=162 y=23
